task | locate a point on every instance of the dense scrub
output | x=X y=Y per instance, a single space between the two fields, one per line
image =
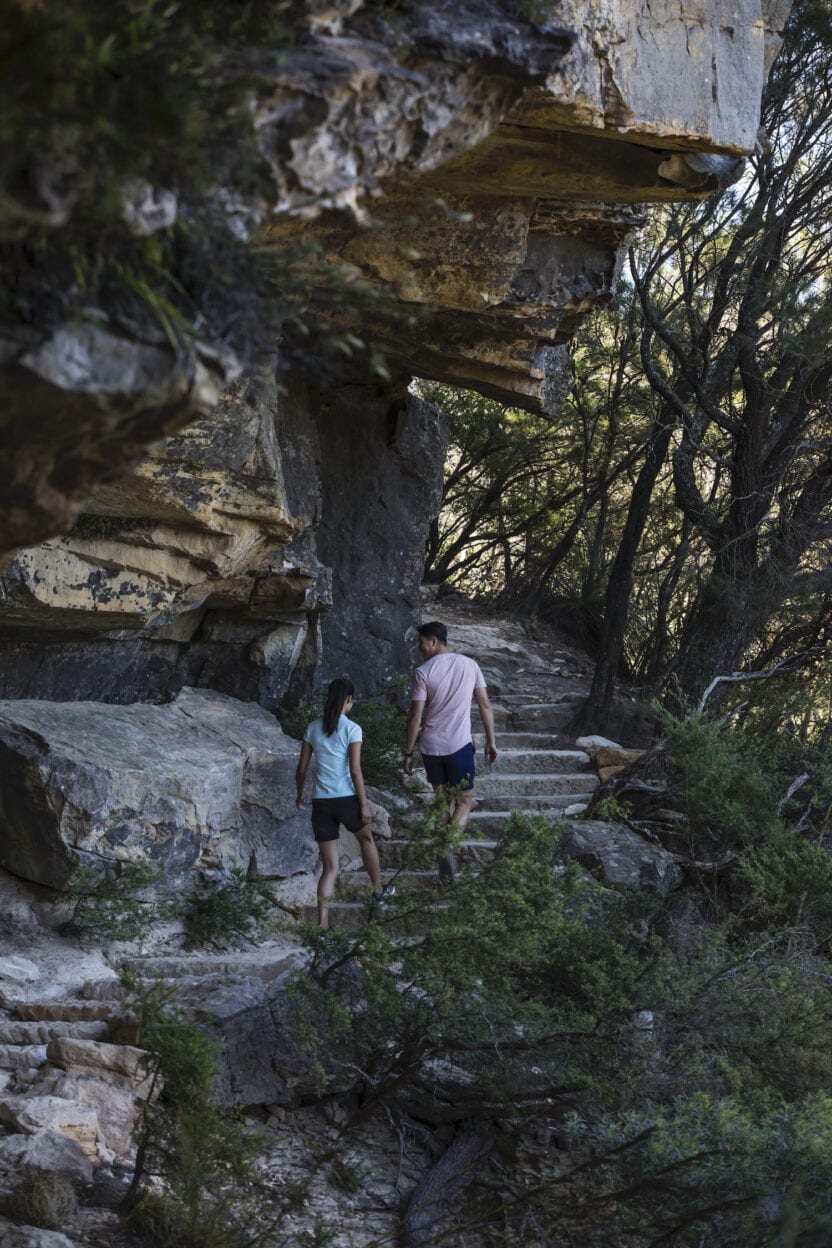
x=626 y=1069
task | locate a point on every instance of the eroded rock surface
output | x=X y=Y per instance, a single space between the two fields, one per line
x=203 y=784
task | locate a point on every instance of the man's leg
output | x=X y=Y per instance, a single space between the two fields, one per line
x=330 y=865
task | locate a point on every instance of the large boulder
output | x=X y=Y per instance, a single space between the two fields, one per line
x=204 y=783
x=620 y=857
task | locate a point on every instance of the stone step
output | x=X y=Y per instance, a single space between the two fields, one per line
x=518 y=741
x=22 y=1056
x=352 y=915
x=356 y=887
x=409 y=854
x=262 y=964
x=533 y=803
x=529 y=785
x=42 y=1033
x=519 y=761
x=66 y=1011
x=541 y=716
x=493 y=823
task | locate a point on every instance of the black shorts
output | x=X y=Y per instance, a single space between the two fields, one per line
x=328 y=813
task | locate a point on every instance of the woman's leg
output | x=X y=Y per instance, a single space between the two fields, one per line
x=369 y=854
x=329 y=874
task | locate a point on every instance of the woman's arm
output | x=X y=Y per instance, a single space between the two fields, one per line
x=358 y=780
x=300 y=774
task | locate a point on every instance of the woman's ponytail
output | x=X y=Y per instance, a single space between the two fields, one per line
x=336 y=695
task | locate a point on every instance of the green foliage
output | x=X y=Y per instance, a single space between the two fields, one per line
x=610 y=810
x=729 y=794
x=791 y=878
x=526 y=948
x=204 y=1155
x=716 y=1171
x=237 y=910
x=114 y=905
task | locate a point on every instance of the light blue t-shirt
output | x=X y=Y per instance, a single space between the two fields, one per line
x=330 y=757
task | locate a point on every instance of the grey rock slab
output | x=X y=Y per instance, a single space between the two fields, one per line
x=206 y=781
x=12 y=1235
x=593 y=744
x=18 y=969
x=22 y=1056
x=49 y=1152
x=621 y=857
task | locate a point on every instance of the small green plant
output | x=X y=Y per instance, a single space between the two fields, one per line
x=610 y=810
x=114 y=905
x=236 y=911
x=203 y=1154
x=348 y=1176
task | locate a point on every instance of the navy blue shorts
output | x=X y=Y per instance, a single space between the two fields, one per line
x=328 y=813
x=455 y=771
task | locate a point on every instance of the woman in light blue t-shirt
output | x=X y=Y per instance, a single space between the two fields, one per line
x=333 y=745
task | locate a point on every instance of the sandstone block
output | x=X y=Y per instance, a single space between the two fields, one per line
x=115 y=1063
x=611 y=761
x=31 y=1114
x=111 y=1107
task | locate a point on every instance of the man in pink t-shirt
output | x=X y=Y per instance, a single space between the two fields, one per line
x=443 y=688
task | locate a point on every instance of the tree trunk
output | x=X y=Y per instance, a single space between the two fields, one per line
x=594 y=714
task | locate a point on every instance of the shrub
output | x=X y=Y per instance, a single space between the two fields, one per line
x=42 y=1199
x=114 y=905
x=235 y=911
x=730 y=797
x=203 y=1154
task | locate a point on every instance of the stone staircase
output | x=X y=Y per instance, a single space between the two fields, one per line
x=536 y=771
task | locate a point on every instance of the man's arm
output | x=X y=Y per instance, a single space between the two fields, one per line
x=414 y=723
x=487 y=717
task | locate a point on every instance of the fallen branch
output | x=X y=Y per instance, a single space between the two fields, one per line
x=792 y=789
x=788 y=664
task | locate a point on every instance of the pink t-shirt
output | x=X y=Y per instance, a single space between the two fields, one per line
x=446 y=683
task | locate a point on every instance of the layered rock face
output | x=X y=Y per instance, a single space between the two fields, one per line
x=443 y=191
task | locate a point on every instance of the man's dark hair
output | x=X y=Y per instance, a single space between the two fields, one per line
x=434 y=629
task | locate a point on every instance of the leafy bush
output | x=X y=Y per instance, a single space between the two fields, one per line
x=203 y=1154
x=237 y=910
x=114 y=905
x=729 y=797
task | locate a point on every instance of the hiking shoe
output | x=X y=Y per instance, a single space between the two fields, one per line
x=384 y=894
